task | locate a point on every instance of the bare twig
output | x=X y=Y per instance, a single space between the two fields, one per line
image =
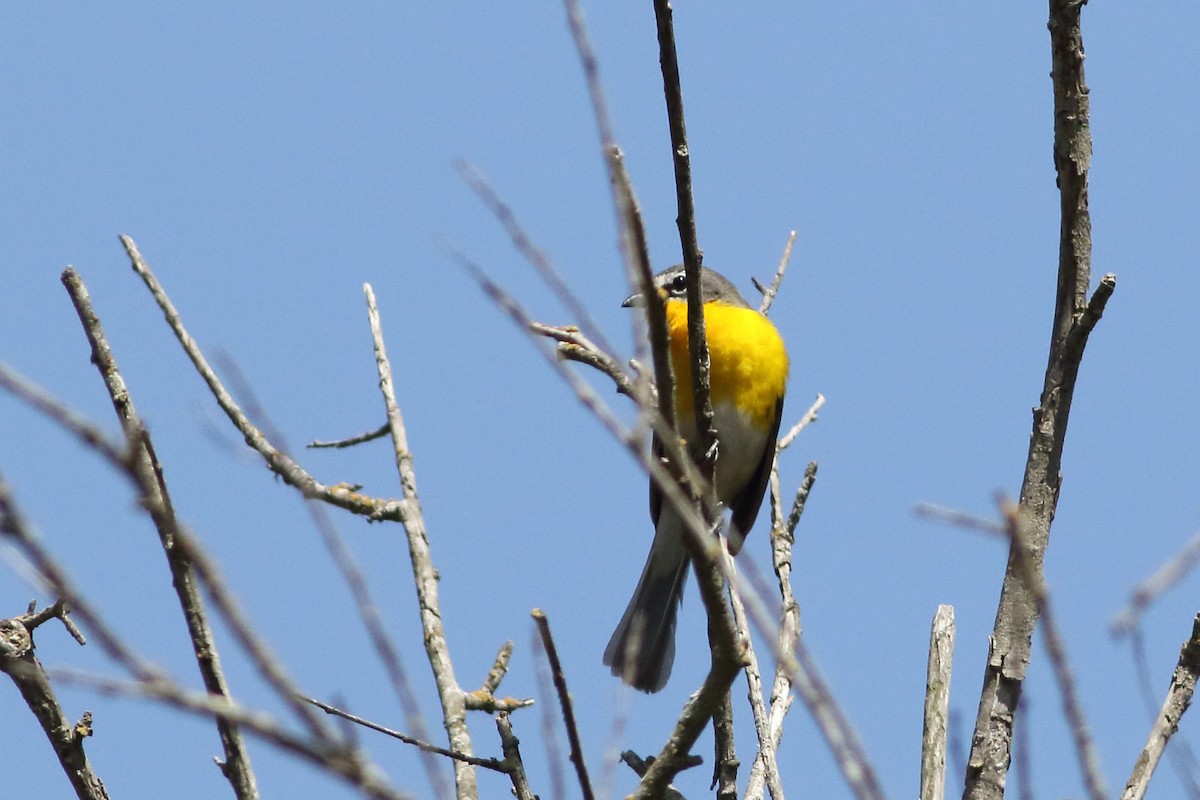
x=1074 y=317
x=514 y=766
x=765 y=771
x=1025 y=569
x=57 y=582
x=491 y=681
x=532 y=253
x=1179 y=697
x=1085 y=748
x=564 y=702
x=356 y=583
x=574 y=346
x=21 y=664
x=937 y=705
x=725 y=761
x=286 y=468
x=73 y=423
x=809 y=418
x=454 y=709
x=369 y=436
x=754 y=688
x=703 y=449
x=335 y=757
x=1149 y=590
x=555 y=764
x=156 y=499
x=769 y=292
x=1180 y=753
x=487 y=763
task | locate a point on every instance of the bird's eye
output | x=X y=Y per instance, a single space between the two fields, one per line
x=679 y=283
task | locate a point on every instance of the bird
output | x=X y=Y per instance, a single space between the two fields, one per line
x=748 y=374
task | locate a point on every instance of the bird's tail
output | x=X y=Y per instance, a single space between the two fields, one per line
x=642 y=648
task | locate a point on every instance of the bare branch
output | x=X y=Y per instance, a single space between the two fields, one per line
x=147 y=472
x=335 y=757
x=514 y=766
x=532 y=253
x=73 y=423
x=1074 y=317
x=487 y=763
x=1149 y=590
x=18 y=661
x=937 y=705
x=564 y=702
x=809 y=418
x=1179 y=697
x=279 y=463
x=356 y=583
x=425 y=578
x=369 y=436
x=574 y=346
x=765 y=771
x=769 y=292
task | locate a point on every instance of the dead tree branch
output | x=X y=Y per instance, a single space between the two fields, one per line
x=156 y=499
x=1179 y=697
x=21 y=664
x=1074 y=317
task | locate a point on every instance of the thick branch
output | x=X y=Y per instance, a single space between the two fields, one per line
x=1016 y=616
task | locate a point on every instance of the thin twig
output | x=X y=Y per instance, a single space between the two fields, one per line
x=1085 y=747
x=156 y=499
x=1179 y=697
x=1180 y=753
x=809 y=418
x=356 y=583
x=286 y=468
x=765 y=771
x=564 y=702
x=514 y=766
x=330 y=755
x=838 y=732
x=574 y=346
x=57 y=582
x=1025 y=569
x=487 y=763
x=1160 y=581
x=369 y=436
x=70 y=421
x=769 y=292
x=754 y=686
x=555 y=763
x=425 y=577
x=532 y=253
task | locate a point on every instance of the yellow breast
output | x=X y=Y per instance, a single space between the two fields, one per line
x=748 y=362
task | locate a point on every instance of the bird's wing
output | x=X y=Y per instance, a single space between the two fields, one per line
x=746 y=503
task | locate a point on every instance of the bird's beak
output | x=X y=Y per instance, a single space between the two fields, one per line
x=634 y=300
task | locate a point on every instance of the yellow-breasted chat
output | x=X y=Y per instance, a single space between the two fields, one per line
x=748 y=372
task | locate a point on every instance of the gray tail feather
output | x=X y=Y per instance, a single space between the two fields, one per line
x=642 y=648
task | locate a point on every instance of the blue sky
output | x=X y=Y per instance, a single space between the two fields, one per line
x=270 y=159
